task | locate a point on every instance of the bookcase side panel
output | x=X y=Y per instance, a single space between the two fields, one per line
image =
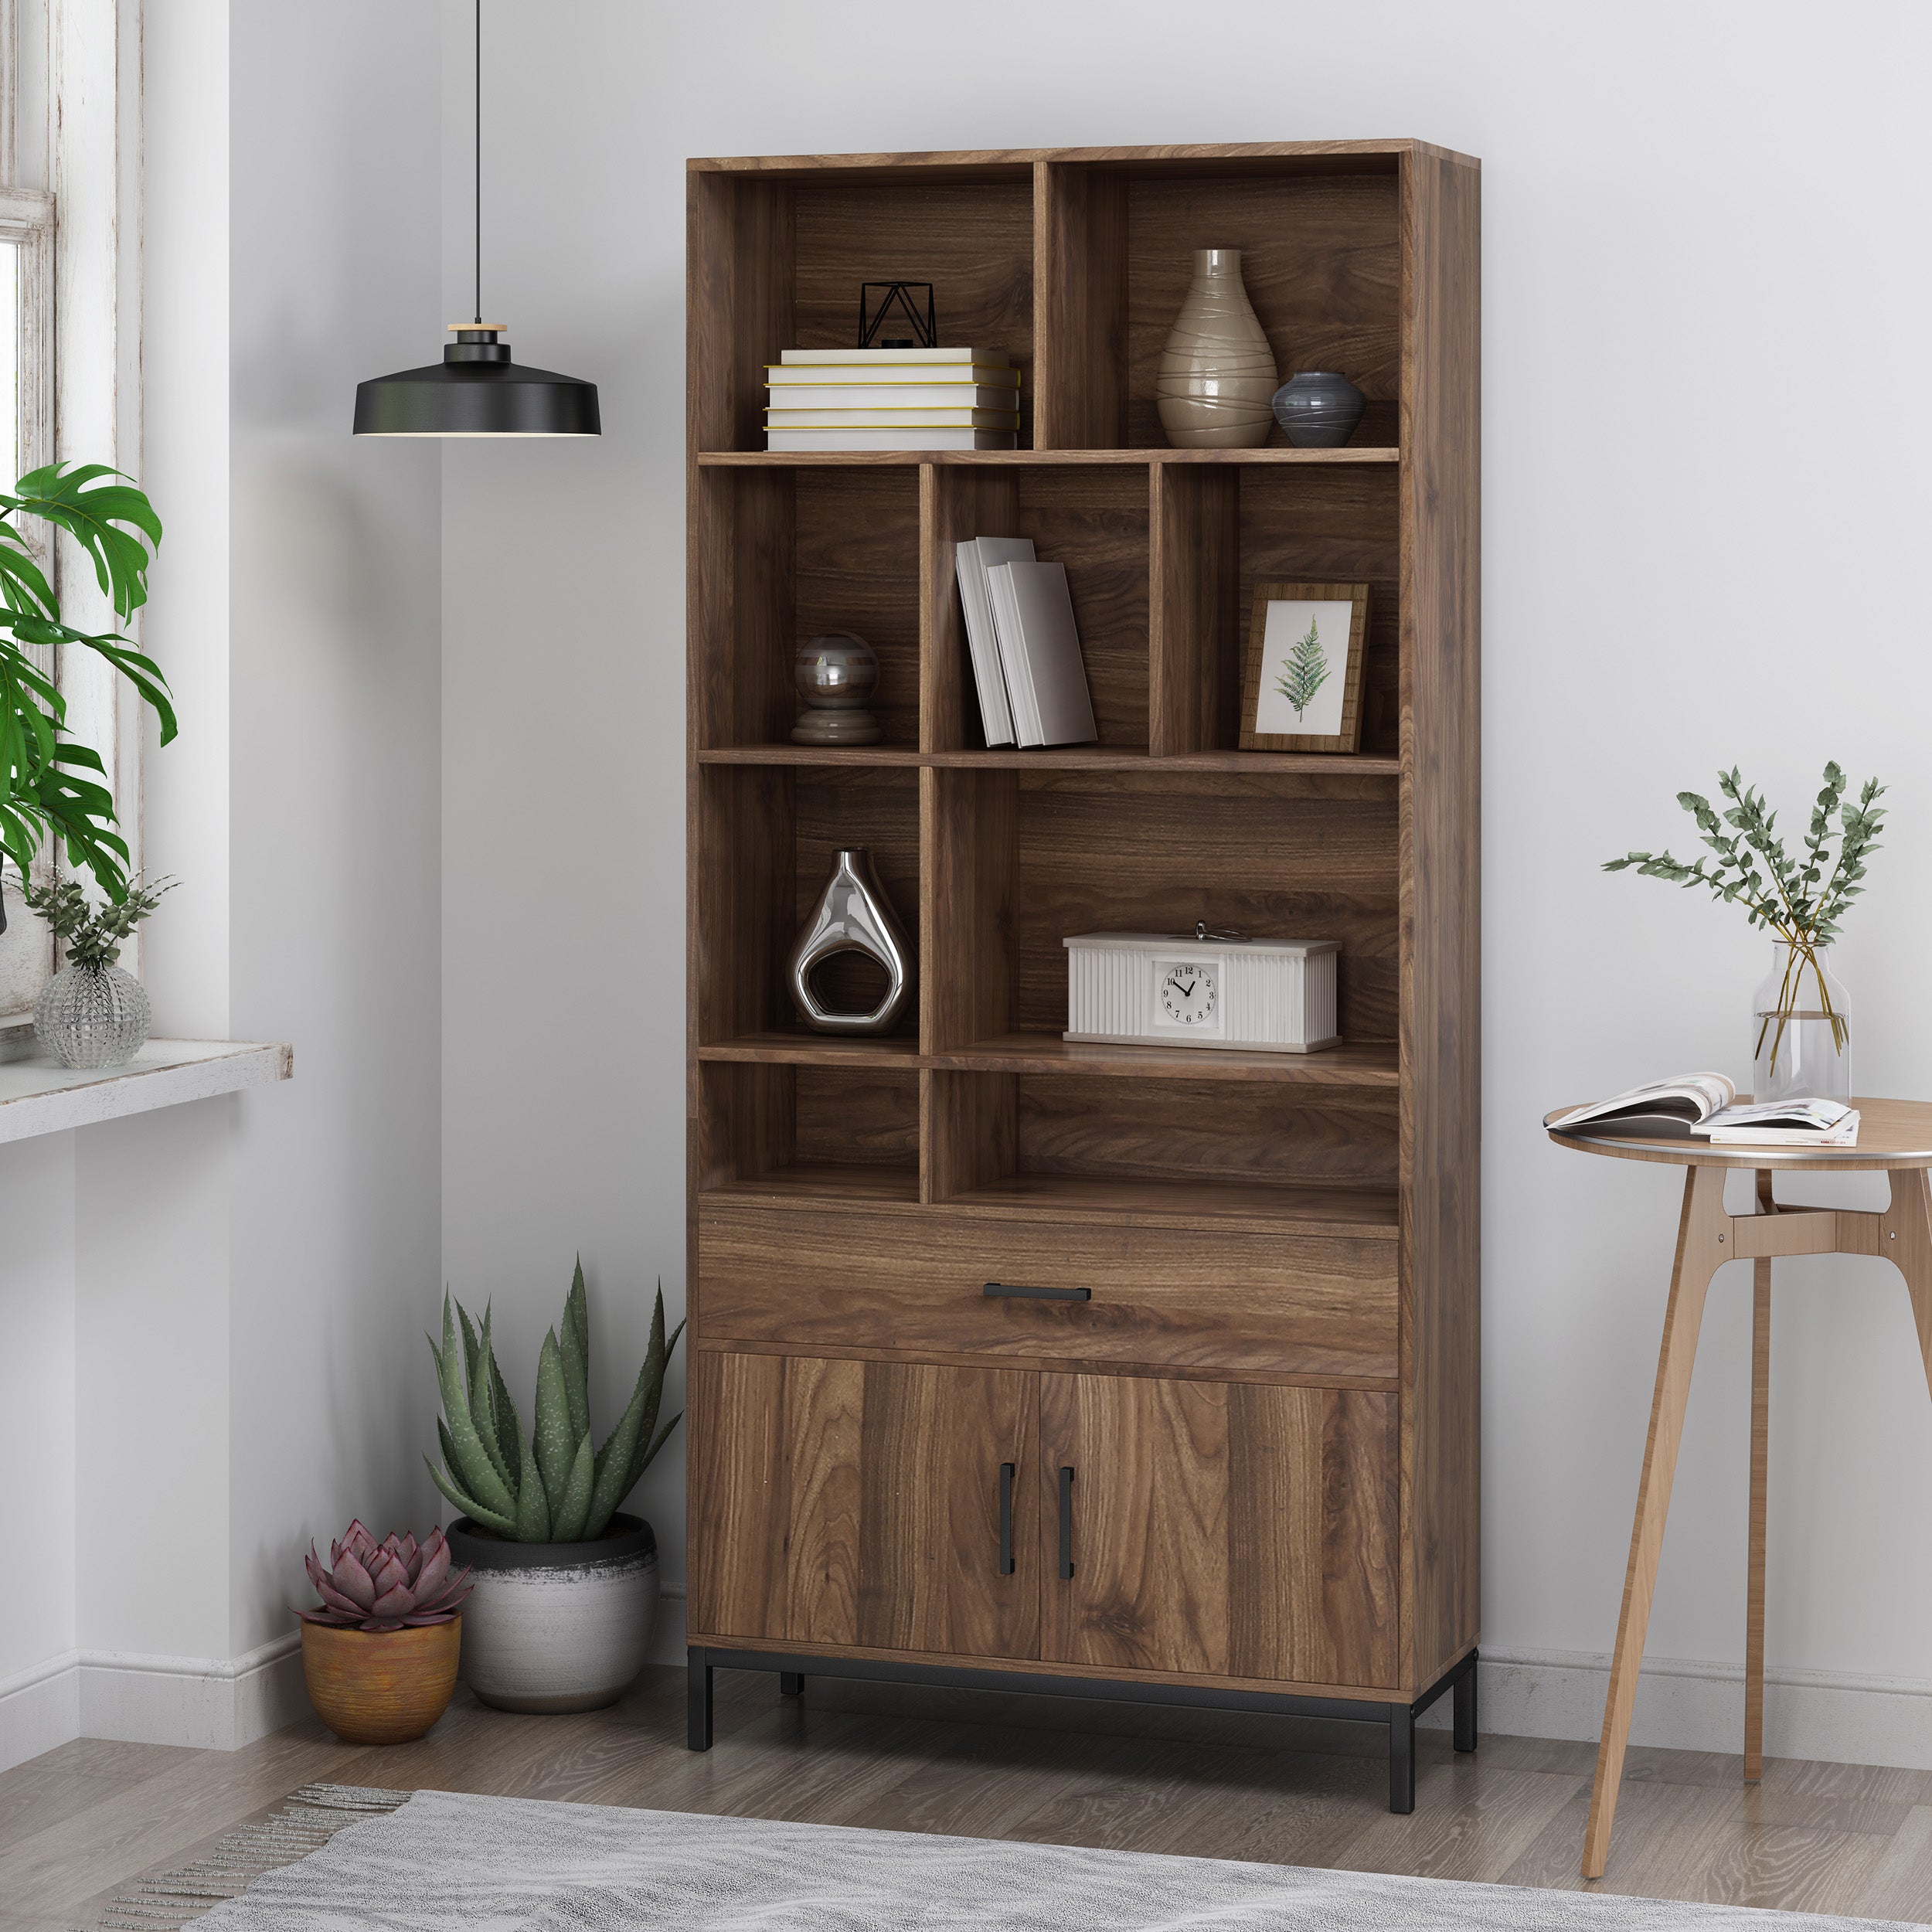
x=1440 y=1039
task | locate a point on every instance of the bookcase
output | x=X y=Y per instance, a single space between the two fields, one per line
x=1127 y=1371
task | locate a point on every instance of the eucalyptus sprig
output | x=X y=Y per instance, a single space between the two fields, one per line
x=92 y=935
x=1802 y=900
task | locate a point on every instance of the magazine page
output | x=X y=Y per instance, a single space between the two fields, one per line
x=1686 y=1100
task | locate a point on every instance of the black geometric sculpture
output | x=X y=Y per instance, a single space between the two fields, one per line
x=898 y=295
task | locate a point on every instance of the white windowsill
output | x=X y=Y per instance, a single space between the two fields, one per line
x=38 y=1096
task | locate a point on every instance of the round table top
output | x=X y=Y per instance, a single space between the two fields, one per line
x=1892 y=1134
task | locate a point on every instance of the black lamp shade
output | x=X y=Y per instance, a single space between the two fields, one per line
x=477 y=390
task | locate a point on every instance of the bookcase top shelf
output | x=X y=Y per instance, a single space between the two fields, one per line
x=1081 y=458
x=993 y=163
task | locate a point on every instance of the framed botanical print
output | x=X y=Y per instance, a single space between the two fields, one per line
x=1301 y=674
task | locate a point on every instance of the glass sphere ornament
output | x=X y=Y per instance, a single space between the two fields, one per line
x=92 y=1016
x=836 y=674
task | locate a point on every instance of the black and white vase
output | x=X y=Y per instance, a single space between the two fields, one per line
x=556 y=1627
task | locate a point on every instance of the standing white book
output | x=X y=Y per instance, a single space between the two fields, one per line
x=973 y=558
x=1039 y=648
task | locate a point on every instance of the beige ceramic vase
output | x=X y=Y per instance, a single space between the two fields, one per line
x=1217 y=382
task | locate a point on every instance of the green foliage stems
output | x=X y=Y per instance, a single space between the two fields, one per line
x=45 y=788
x=552 y=1486
x=1799 y=899
x=1308 y=670
x=91 y=936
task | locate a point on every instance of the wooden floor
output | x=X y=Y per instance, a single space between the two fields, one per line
x=1821 y=1838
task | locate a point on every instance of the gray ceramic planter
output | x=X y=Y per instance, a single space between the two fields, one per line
x=556 y=1627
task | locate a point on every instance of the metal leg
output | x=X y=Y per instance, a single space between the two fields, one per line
x=698 y=1691
x=1402 y=1758
x=791 y=1683
x=1464 y=1696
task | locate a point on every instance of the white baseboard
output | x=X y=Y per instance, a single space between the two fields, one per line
x=39 y=1708
x=217 y=1703
x=1697 y=1706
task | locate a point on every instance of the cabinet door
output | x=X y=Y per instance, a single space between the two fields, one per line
x=1218 y=1529
x=861 y=1503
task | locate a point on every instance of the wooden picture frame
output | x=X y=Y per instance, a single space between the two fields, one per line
x=1270 y=706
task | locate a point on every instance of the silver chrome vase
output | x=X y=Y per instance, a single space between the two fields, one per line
x=853 y=915
x=1215 y=384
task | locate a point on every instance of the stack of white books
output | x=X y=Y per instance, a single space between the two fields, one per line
x=1025 y=647
x=892 y=398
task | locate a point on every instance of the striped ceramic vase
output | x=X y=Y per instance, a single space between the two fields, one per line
x=1217 y=381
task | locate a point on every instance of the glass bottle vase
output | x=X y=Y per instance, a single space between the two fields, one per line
x=1801 y=1028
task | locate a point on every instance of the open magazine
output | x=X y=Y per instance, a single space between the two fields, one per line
x=1705 y=1104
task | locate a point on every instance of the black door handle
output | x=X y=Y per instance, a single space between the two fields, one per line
x=1009 y=1291
x=1066 y=1523
x=1006 y=1472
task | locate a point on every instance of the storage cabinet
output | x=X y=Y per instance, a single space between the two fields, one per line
x=1233 y=1295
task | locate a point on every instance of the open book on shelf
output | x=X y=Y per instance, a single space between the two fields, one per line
x=1706 y=1105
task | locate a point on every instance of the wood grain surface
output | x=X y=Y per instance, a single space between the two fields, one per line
x=1311 y=1305
x=1846 y=1838
x=1254 y=1224
x=857 y=1502
x=1245 y=1531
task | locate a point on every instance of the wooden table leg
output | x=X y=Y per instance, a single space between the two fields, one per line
x=1700 y=1252
x=1760 y=1473
x=1905 y=1238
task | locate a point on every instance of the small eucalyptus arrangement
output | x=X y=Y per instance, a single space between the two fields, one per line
x=90 y=1013
x=1801 y=900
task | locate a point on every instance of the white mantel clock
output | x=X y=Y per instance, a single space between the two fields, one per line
x=1203 y=989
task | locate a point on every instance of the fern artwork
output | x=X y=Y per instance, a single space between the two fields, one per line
x=1304 y=670
x=52 y=785
x=557 y=1485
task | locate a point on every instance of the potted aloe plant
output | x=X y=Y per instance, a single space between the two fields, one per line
x=379 y=1651
x=566 y=1584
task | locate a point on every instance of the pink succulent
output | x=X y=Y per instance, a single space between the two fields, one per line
x=391 y=1585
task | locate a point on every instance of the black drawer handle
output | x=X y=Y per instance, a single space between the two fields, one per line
x=1010 y=1291
x=1006 y=1474
x=1066 y=1523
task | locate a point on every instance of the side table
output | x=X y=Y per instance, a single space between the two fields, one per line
x=1894 y=1137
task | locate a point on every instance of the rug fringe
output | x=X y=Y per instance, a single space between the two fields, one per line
x=308 y=1819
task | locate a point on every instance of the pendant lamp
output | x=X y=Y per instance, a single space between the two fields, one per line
x=476 y=389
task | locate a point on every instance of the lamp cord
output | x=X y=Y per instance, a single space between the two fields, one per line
x=479 y=163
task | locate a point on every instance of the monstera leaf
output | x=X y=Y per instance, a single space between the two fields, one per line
x=46 y=790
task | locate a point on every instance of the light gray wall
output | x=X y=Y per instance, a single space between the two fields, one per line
x=211 y=1317
x=1703 y=395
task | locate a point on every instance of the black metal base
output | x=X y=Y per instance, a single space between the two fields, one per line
x=1460 y=1678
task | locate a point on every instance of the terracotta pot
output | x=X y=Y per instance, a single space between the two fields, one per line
x=381 y=1686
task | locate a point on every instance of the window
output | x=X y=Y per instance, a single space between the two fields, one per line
x=69 y=362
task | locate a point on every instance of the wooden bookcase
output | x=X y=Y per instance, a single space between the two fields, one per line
x=1269 y=1401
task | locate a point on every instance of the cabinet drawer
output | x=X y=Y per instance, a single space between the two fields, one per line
x=814 y=1277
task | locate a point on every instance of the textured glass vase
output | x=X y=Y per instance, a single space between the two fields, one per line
x=1801 y=1028
x=1215 y=388
x=91 y=1016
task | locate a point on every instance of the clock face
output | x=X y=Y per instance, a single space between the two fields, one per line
x=1189 y=992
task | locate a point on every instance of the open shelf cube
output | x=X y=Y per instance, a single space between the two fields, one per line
x=851 y=1132
x=1019 y=861
x=772 y=833
x=1321 y=245
x=793 y=245
x=787 y=555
